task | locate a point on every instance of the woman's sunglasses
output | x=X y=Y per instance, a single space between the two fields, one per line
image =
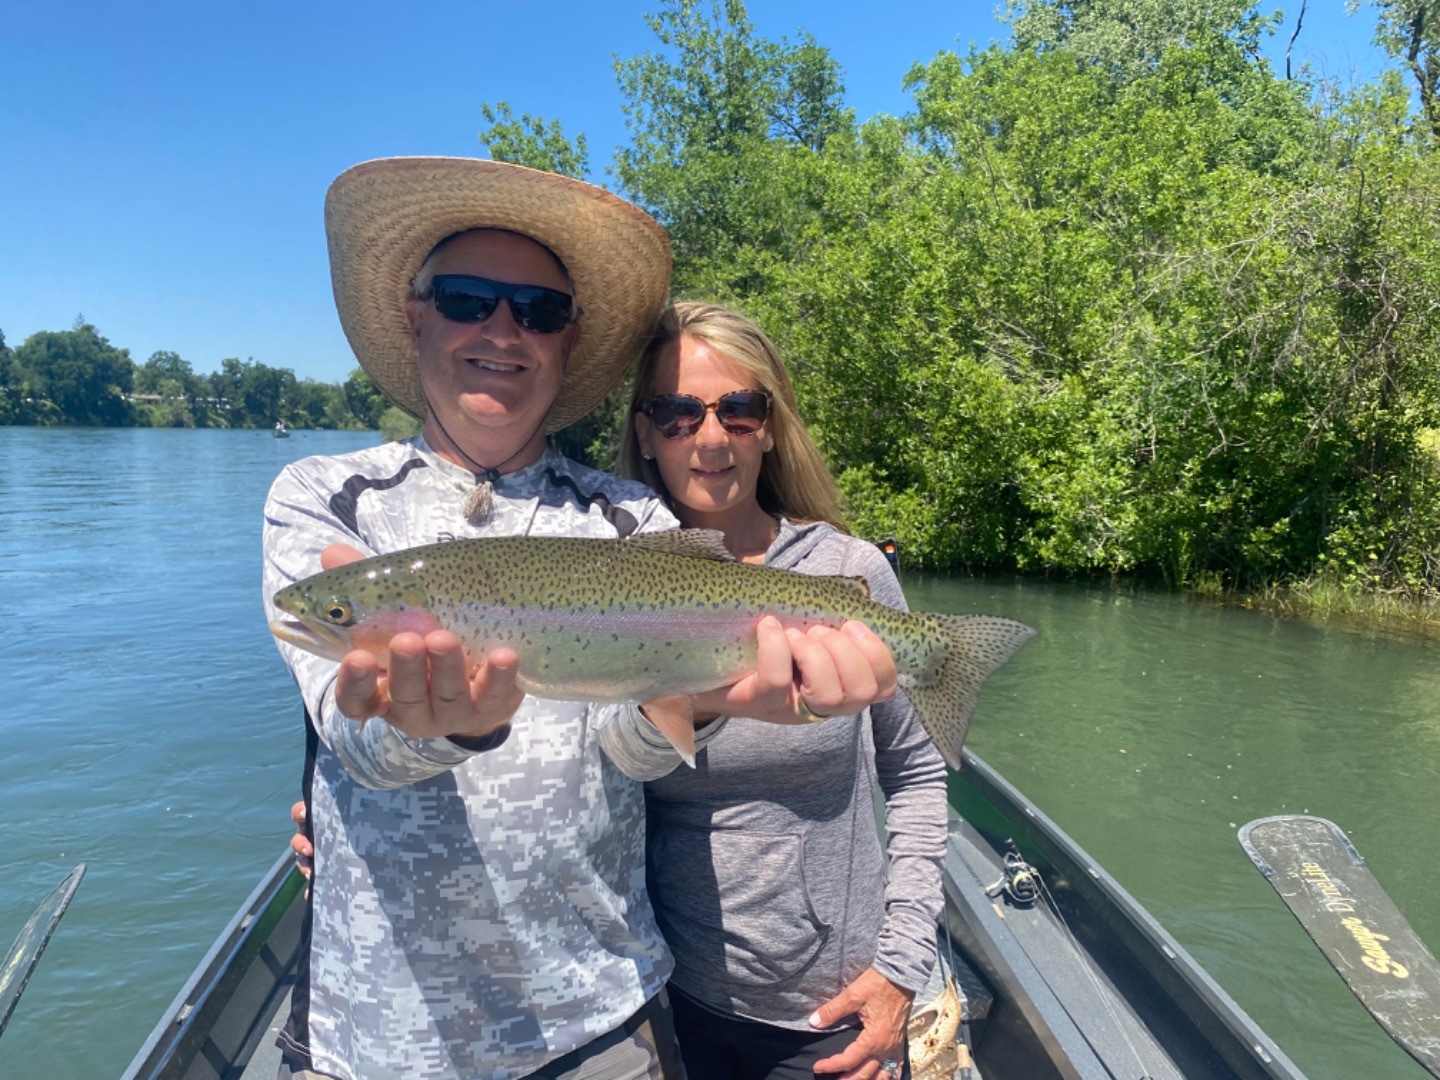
x=466 y=299
x=678 y=416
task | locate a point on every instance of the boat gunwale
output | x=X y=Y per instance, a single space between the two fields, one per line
x=220 y=972
x=1215 y=1015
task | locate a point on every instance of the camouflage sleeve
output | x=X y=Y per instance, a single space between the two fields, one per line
x=299 y=525
x=912 y=777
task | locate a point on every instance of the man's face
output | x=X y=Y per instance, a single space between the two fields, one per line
x=490 y=384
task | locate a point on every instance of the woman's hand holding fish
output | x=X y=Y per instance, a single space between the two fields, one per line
x=801 y=677
x=883 y=1009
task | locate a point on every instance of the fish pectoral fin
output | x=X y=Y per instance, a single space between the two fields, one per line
x=673 y=717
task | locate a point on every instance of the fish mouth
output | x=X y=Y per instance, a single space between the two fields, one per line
x=320 y=640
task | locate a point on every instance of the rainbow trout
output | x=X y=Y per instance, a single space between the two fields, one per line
x=646 y=620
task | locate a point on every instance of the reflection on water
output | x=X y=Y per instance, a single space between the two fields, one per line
x=151 y=731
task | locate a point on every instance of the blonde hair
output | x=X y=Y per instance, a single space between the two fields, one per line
x=794 y=480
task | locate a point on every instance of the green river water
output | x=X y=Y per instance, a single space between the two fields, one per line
x=151 y=732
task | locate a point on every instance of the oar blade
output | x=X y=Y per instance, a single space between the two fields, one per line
x=1325 y=883
x=34 y=936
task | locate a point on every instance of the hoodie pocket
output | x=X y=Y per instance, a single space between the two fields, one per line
x=734 y=905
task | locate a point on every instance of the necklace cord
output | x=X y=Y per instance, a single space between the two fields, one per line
x=481 y=471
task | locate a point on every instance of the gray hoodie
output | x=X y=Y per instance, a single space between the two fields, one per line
x=764 y=863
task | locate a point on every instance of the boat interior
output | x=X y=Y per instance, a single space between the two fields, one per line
x=1060 y=973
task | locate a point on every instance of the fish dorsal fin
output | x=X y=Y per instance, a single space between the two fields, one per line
x=854 y=584
x=695 y=543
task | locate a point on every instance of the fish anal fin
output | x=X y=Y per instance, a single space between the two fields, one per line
x=694 y=543
x=673 y=717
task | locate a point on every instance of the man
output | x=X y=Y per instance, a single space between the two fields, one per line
x=478 y=905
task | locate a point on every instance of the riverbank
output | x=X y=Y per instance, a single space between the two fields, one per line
x=1324 y=603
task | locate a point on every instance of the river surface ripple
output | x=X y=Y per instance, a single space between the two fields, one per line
x=151 y=731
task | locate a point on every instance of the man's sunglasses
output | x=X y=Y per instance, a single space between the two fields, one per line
x=465 y=298
x=678 y=416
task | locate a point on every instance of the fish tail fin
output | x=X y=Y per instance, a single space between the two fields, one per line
x=675 y=719
x=975 y=645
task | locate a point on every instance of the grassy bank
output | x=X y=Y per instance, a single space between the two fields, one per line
x=1342 y=606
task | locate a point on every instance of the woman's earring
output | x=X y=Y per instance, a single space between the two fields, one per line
x=648 y=457
x=769 y=443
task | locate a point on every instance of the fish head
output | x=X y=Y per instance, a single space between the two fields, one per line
x=360 y=605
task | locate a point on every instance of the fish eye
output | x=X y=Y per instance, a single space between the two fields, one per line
x=339 y=613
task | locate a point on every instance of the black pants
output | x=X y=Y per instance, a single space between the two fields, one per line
x=642 y=1048
x=716 y=1047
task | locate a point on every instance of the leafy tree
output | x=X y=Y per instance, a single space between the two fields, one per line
x=365 y=403
x=1127 y=38
x=532 y=142
x=169 y=377
x=9 y=384
x=396 y=424
x=1114 y=298
x=79 y=371
x=312 y=404
x=77 y=377
x=1409 y=30
x=167 y=369
x=253 y=394
x=1066 y=322
x=723 y=124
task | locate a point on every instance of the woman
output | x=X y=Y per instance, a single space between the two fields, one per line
x=796 y=952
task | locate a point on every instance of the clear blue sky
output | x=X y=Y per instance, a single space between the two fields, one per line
x=165 y=164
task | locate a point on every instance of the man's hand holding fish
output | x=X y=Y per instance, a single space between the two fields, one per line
x=430 y=689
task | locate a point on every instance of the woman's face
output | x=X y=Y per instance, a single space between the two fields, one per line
x=712 y=474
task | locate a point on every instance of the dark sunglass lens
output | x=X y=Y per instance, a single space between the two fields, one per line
x=462 y=299
x=676 y=415
x=742 y=412
x=545 y=311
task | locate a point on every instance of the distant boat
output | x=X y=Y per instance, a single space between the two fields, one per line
x=281 y=431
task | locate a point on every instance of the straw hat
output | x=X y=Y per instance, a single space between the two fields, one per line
x=383 y=217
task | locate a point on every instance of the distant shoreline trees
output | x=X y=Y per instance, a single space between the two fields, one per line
x=77 y=378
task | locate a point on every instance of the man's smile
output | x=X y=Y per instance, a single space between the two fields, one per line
x=495 y=365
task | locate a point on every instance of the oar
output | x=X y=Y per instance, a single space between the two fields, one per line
x=1323 y=879
x=34 y=936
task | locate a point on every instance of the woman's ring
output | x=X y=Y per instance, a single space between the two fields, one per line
x=805 y=714
x=891 y=1066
